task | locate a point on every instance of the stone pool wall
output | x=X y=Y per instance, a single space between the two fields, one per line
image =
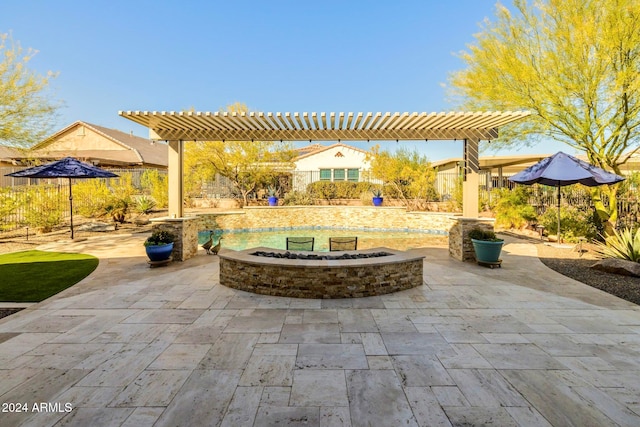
x=393 y=218
x=320 y=278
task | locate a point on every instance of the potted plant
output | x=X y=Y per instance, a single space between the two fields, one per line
x=273 y=198
x=486 y=245
x=159 y=245
x=377 y=197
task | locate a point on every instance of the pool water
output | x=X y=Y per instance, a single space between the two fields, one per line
x=400 y=240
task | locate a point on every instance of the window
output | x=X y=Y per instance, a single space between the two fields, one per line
x=353 y=175
x=338 y=174
x=325 y=174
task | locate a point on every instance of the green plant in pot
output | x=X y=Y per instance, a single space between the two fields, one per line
x=377 y=196
x=273 y=197
x=486 y=245
x=159 y=245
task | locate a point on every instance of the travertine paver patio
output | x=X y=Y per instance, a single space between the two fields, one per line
x=135 y=346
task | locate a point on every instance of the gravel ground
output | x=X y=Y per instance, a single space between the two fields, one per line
x=569 y=263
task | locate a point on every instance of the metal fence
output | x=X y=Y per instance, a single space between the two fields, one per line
x=9 y=181
x=17 y=199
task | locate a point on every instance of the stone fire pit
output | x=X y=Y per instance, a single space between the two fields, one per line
x=347 y=276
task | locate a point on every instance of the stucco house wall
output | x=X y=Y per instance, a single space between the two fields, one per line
x=334 y=157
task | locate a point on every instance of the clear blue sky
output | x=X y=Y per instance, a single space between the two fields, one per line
x=296 y=55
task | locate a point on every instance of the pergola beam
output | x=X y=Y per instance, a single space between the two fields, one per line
x=177 y=127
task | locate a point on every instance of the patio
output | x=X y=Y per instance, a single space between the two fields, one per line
x=134 y=346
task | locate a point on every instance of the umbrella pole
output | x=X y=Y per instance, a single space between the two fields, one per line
x=71 y=207
x=559 y=239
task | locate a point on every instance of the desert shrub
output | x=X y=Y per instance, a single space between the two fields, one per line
x=512 y=208
x=121 y=198
x=157 y=186
x=297 y=198
x=454 y=203
x=8 y=206
x=44 y=208
x=144 y=204
x=574 y=222
x=623 y=244
x=91 y=197
x=337 y=190
x=365 y=198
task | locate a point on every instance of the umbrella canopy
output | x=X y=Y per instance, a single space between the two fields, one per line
x=65 y=168
x=562 y=169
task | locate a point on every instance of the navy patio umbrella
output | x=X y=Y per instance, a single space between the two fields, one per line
x=65 y=168
x=562 y=169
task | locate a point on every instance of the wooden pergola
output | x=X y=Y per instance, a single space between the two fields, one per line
x=179 y=127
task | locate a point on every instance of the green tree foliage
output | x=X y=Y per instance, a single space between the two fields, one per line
x=572 y=63
x=249 y=165
x=26 y=112
x=406 y=175
x=90 y=197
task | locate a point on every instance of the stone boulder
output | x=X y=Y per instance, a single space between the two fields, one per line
x=618 y=266
x=96 y=226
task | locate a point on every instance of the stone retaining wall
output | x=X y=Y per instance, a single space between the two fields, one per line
x=258 y=217
x=320 y=278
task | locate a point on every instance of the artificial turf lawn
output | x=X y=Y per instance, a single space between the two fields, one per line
x=32 y=276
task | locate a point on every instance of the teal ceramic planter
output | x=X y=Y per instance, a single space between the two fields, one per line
x=487 y=251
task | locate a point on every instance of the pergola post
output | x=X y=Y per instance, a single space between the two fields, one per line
x=471 y=179
x=471 y=127
x=175 y=176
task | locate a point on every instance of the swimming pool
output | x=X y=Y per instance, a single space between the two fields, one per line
x=396 y=239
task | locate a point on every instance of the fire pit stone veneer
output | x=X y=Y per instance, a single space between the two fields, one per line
x=336 y=278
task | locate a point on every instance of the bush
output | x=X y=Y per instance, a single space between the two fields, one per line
x=91 y=197
x=337 y=190
x=121 y=198
x=623 y=245
x=574 y=222
x=512 y=208
x=44 y=208
x=297 y=198
x=8 y=206
x=157 y=185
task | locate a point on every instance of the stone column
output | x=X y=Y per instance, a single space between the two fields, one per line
x=186 y=232
x=460 y=246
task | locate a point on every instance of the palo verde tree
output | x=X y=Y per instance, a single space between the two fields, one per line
x=575 y=64
x=249 y=165
x=26 y=112
x=408 y=173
